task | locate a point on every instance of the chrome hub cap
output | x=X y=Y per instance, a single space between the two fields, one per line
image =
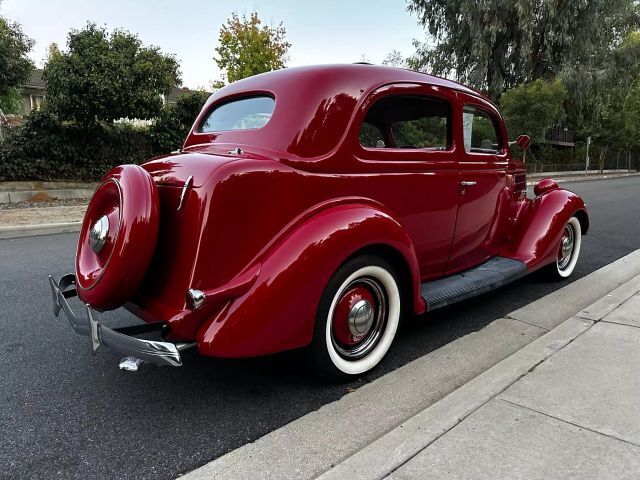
x=99 y=233
x=566 y=247
x=359 y=318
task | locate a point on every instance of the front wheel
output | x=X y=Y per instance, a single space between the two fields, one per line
x=568 y=251
x=357 y=318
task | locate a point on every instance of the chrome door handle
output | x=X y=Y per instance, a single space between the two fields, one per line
x=468 y=183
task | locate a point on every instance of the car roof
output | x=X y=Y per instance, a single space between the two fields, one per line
x=371 y=76
x=314 y=104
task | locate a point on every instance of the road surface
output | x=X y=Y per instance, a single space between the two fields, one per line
x=65 y=413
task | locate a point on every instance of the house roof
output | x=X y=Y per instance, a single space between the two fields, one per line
x=35 y=81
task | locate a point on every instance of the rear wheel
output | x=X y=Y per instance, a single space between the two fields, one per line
x=568 y=251
x=357 y=318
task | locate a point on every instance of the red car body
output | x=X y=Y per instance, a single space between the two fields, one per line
x=270 y=214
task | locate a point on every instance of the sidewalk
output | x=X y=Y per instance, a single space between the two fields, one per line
x=571 y=413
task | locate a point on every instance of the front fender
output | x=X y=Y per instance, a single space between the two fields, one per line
x=539 y=226
x=278 y=312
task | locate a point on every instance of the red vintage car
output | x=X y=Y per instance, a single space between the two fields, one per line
x=315 y=207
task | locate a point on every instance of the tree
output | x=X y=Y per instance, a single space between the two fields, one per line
x=15 y=66
x=602 y=96
x=105 y=76
x=495 y=45
x=394 y=59
x=248 y=48
x=170 y=129
x=533 y=107
x=632 y=120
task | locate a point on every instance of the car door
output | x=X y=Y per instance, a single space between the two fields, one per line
x=482 y=176
x=406 y=147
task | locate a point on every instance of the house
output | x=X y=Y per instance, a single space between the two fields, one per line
x=174 y=94
x=33 y=94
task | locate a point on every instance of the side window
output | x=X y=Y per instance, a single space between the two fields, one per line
x=407 y=121
x=480 y=132
x=371 y=136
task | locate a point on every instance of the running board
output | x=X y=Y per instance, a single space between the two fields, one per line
x=486 y=277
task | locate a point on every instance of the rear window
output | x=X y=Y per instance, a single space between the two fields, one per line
x=241 y=114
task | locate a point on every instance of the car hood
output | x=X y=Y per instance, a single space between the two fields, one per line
x=174 y=170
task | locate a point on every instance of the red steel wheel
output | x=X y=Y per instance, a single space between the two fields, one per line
x=118 y=237
x=357 y=318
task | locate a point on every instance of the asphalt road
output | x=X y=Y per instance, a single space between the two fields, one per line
x=65 y=413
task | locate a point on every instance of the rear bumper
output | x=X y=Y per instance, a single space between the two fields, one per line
x=122 y=340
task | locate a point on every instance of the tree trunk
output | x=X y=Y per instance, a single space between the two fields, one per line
x=601 y=159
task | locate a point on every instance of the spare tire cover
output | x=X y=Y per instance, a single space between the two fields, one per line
x=118 y=237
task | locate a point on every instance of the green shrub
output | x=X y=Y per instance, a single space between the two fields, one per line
x=44 y=148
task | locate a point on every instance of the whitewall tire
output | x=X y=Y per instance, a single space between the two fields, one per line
x=357 y=318
x=568 y=251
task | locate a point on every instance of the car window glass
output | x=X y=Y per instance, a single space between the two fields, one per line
x=480 y=133
x=409 y=121
x=371 y=136
x=242 y=114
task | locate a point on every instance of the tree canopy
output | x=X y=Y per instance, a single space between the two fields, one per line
x=107 y=76
x=495 y=45
x=533 y=107
x=248 y=48
x=15 y=66
x=172 y=126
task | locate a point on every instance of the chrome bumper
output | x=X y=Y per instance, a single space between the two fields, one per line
x=121 y=340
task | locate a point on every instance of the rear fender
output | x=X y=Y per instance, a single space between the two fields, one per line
x=539 y=226
x=279 y=310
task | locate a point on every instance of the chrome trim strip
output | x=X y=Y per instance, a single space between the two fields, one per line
x=188 y=183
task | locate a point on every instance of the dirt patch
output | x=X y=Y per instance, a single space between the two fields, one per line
x=45 y=202
x=35 y=215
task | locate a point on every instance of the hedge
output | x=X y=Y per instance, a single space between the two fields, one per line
x=46 y=148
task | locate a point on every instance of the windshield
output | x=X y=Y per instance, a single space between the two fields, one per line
x=241 y=114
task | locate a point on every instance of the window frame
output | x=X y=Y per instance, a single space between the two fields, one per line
x=199 y=130
x=496 y=127
x=421 y=95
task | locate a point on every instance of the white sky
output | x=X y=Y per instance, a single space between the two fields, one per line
x=329 y=31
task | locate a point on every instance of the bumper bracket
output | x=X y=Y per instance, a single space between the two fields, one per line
x=122 y=340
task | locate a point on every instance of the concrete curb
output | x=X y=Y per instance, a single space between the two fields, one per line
x=42 y=229
x=40 y=195
x=404 y=442
x=560 y=180
x=48 y=229
x=324 y=439
x=577 y=173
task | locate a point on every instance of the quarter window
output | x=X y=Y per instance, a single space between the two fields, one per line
x=241 y=114
x=480 y=132
x=407 y=121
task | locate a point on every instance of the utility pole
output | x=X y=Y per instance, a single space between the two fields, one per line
x=586 y=165
x=2 y=120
